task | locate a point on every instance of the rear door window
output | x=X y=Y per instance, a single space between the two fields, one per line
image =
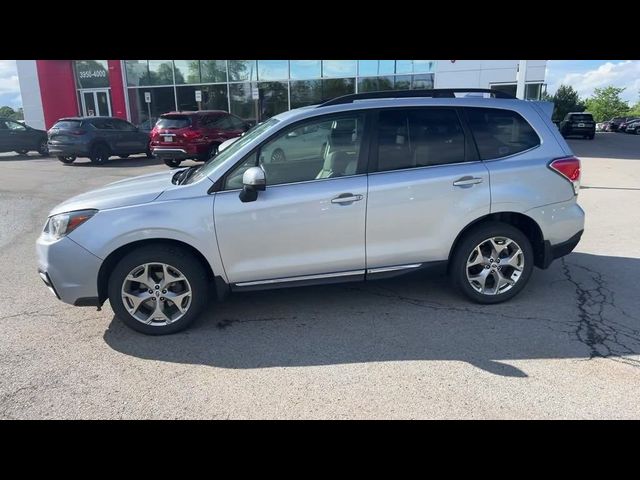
x=500 y=133
x=173 y=122
x=419 y=137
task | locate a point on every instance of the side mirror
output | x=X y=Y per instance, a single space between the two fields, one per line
x=253 y=181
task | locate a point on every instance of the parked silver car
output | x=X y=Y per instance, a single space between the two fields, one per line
x=383 y=186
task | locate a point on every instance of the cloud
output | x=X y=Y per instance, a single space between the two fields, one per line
x=625 y=74
x=9 y=86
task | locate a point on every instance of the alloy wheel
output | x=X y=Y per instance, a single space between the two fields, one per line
x=156 y=294
x=495 y=265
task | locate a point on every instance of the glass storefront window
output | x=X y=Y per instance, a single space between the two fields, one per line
x=375 y=68
x=422 y=82
x=375 y=84
x=213 y=71
x=137 y=72
x=274 y=99
x=273 y=70
x=402 y=82
x=305 y=92
x=242 y=104
x=92 y=73
x=337 y=87
x=162 y=101
x=214 y=97
x=424 y=66
x=187 y=71
x=338 y=68
x=305 y=69
x=241 y=70
x=533 y=91
x=161 y=73
x=404 y=66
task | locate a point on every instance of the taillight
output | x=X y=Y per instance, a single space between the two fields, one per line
x=569 y=168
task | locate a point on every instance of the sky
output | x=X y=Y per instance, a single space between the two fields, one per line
x=583 y=75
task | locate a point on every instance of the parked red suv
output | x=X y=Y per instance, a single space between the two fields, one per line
x=180 y=136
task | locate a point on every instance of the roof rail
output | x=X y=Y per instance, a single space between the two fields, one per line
x=433 y=93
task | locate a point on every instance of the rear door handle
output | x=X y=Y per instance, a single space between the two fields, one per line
x=346 y=198
x=464 y=181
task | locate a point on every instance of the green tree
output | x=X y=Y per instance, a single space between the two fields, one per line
x=605 y=103
x=7 y=112
x=566 y=100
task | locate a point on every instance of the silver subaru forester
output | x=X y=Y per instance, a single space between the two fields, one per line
x=361 y=187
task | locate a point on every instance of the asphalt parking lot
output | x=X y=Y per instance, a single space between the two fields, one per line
x=567 y=347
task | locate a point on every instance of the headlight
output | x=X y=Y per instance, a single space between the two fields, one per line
x=64 y=223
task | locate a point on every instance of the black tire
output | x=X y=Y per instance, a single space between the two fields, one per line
x=148 y=152
x=174 y=256
x=278 y=156
x=172 y=162
x=43 y=148
x=99 y=154
x=211 y=151
x=475 y=236
x=123 y=156
x=22 y=152
x=68 y=159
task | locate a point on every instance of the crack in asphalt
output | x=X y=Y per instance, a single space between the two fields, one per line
x=604 y=337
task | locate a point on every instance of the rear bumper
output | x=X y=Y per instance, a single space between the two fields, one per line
x=69 y=150
x=179 y=153
x=551 y=252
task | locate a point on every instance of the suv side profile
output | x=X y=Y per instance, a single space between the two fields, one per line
x=20 y=138
x=98 y=138
x=578 y=123
x=179 y=136
x=389 y=183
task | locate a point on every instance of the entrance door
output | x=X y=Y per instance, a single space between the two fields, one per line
x=96 y=103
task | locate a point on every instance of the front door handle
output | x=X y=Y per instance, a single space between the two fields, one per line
x=346 y=198
x=465 y=181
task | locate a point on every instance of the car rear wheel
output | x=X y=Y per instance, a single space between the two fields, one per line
x=100 y=154
x=158 y=289
x=148 y=152
x=123 y=156
x=172 y=162
x=492 y=263
x=22 y=152
x=43 y=148
x=68 y=159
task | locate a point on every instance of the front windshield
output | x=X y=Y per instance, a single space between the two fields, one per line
x=209 y=166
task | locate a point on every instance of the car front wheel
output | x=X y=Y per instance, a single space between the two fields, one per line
x=159 y=289
x=67 y=160
x=492 y=263
x=43 y=148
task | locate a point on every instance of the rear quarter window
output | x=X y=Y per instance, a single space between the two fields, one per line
x=499 y=133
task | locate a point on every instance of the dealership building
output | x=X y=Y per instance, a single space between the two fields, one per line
x=141 y=90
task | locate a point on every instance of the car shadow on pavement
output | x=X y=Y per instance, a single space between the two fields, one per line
x=132 y=161
x=580 y=308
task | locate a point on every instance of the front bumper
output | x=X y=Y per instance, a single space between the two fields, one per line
x=68 y=270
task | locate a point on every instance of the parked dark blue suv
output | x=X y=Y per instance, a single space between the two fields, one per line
x=97 y=138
